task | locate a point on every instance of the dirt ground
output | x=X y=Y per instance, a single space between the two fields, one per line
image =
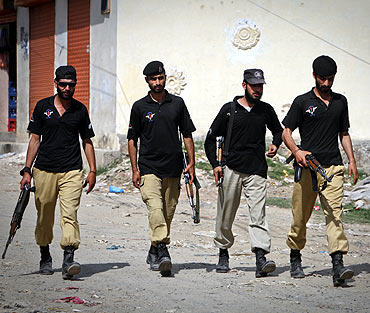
x=119 y=280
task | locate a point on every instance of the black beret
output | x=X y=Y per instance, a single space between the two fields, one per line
x=153 y=68
x=65 y=72
x=324 y=66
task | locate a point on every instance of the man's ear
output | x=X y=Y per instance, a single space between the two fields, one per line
x=244 y=85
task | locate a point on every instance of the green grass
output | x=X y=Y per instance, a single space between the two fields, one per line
x=105 y=169
x=357 y=216
x=285 y=203
x=206 y=166
x=277 y=170
x=198 y=145
x=350 y=215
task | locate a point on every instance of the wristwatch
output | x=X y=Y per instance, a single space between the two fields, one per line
x=25 y=170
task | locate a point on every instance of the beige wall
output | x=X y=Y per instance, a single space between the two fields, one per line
x=196 y=38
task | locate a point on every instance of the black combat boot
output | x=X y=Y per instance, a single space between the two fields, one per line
x=262 y=265
x=69 y=267
x=296 y=270
x=164 y=260
x=223 y=262
x=46 y=267
x=340 y=273
x=152 y=258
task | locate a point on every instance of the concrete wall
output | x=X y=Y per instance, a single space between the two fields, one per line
x=103 y=75
x=23 y=75
x=196 y=38
x=61 y=33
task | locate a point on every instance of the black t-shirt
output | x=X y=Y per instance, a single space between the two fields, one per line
x=157 y=126
x=247 y=145
x=60 y=147
x=319 y=125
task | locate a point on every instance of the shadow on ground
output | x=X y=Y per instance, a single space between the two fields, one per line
x=88 y=270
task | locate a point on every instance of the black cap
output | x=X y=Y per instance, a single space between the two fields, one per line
x=65 y=72
x=153 y=68
x=324 y=66
x=254 y=76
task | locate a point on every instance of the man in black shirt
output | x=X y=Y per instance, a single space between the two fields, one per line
x=321 y=116
x=245 y=168
x=55 y=127
x=156 y=120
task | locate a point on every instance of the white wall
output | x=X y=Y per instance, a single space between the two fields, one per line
x=195 y=37
x=61 y=33
x=23 y=75
x=103 y=75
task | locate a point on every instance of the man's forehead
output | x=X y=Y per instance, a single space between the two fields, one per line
x=157 y=76
x=66 y=80
x=326 y=77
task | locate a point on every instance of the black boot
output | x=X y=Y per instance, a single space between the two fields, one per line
x=152 y=258
x=223 y=262
x=340 y=273
x=296 y=270
x=262 y=265
x=164 y=260
x=69 y=267
x=46 y=267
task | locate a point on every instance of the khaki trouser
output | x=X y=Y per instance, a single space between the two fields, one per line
x=161 y=196
x=68 y=186
x=254 y=188
x=331 y=201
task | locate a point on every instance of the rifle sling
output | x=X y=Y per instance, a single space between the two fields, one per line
x=228 y=134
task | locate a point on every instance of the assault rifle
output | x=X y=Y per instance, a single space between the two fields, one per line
x=189 y=191
x=220 y=144
x=315 y=167
x=15 y=223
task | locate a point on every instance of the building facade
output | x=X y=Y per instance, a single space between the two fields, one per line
x=204 y=45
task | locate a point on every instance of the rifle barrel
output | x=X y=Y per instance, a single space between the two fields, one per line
x=7 y=245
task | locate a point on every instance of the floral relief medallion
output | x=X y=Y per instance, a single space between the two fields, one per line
x=246 y=35
x=175 y=81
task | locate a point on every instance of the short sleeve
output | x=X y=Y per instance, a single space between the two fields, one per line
x=186 y=124
x=134 y=128
x=86 y=129
x=293 y=119
x=344 y=120
x=35 y=124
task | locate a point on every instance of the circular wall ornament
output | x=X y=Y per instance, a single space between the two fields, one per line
x=175 y=81
x=246 y=35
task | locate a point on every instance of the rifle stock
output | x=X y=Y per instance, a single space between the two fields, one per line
x=20 y=207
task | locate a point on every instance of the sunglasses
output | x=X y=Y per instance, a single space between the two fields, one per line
x=65 y=84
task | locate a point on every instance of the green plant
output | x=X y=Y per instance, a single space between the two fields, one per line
x=279 y=202
x=105 y=169
x=350 y=215
x=278 y=170
x=206 y=166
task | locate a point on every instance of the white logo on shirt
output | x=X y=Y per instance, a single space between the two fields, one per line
x=311 y=110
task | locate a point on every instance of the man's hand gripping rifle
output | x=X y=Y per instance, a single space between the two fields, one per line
x=220 y=150
x=15 y=223
x=189 y=190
